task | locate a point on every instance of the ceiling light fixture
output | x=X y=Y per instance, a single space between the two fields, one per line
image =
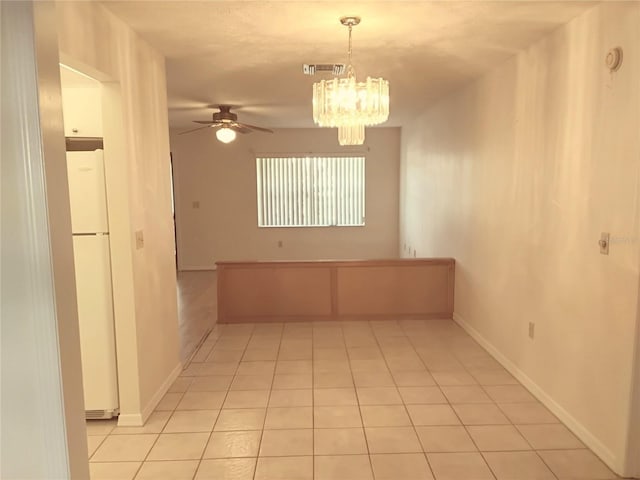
x=225 y=135
x=348 y=104
x=351 y=135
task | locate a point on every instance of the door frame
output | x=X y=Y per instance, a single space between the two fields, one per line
x=632 y=467
x=42 y=402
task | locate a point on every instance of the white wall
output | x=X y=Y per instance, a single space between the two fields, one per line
x=515 y=176
x=222 y=178
x=97 y=43
x=42 y=427
x=81 y=105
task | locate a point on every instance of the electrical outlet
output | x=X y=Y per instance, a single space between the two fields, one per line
x=532 y=330
x=139 y=239
x=196 y=204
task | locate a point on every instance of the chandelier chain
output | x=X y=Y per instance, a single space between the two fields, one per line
x=350 y=29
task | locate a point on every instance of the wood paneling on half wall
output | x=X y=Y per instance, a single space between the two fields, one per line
x=335 y=290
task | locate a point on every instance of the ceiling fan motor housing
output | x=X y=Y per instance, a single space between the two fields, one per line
x=225 y=115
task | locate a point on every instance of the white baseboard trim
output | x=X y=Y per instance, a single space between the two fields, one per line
x=130 y=420
x=166 y=385
x=139 y=419
x=574 y=425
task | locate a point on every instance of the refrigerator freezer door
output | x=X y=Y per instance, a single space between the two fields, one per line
x=87 y=192
x=95 y=313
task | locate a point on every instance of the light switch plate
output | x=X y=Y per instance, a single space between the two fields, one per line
x=532 y=330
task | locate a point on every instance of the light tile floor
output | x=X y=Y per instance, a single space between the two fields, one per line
x=407 y=400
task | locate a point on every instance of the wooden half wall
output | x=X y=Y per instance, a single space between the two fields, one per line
x=335 y=290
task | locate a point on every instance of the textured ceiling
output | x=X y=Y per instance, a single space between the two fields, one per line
x=250 y=54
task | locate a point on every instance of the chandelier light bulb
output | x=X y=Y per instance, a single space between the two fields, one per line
x=225 y=135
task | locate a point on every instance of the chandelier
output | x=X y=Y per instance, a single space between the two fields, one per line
x=348 y=104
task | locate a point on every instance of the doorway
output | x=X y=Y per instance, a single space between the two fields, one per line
x=86 y=92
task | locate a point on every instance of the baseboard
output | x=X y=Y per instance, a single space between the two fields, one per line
x=139 y=419
x=197 y=268
x=197 y=347
x=574 y=425
x=130 y=420
x=166 y=385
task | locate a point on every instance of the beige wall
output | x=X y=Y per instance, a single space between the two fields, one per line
x=94 y=41
x=515 y=176
x=222 y=178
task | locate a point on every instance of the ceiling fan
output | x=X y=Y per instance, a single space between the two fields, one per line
x=227 y=125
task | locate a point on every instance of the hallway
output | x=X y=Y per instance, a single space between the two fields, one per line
x=354 y=400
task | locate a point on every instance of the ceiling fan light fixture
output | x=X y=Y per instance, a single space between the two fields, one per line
x=225 y=135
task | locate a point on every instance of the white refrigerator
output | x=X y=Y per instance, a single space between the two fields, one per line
x=90 y=228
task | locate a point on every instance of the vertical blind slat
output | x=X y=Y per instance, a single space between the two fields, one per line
x=264 y=202
x=310 y=195
x=272 y=193
x=341 y=193
x=362 y=209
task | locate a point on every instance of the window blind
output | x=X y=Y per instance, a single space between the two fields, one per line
x=310 y=191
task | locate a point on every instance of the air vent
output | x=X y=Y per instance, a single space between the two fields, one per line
x=100 y=414
x=333 y=68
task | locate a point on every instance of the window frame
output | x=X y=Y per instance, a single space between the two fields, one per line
x=359 y=188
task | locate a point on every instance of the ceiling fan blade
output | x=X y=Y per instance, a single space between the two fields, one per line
x=240 y=128
x=253 y=127
x=195 y=129
x=204 y=122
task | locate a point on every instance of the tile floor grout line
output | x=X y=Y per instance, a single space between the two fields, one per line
x=98 y=446
x=415 y=432
x=473 y=440
x=466 y=427
x=266 y=410
x=152 y=445
x=206 y=444
x=195 y=472
x=160 y=433
x=364 y=432
x=448 y=404
x=439 y=387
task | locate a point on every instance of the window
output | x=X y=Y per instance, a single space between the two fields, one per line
x=310 y=191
